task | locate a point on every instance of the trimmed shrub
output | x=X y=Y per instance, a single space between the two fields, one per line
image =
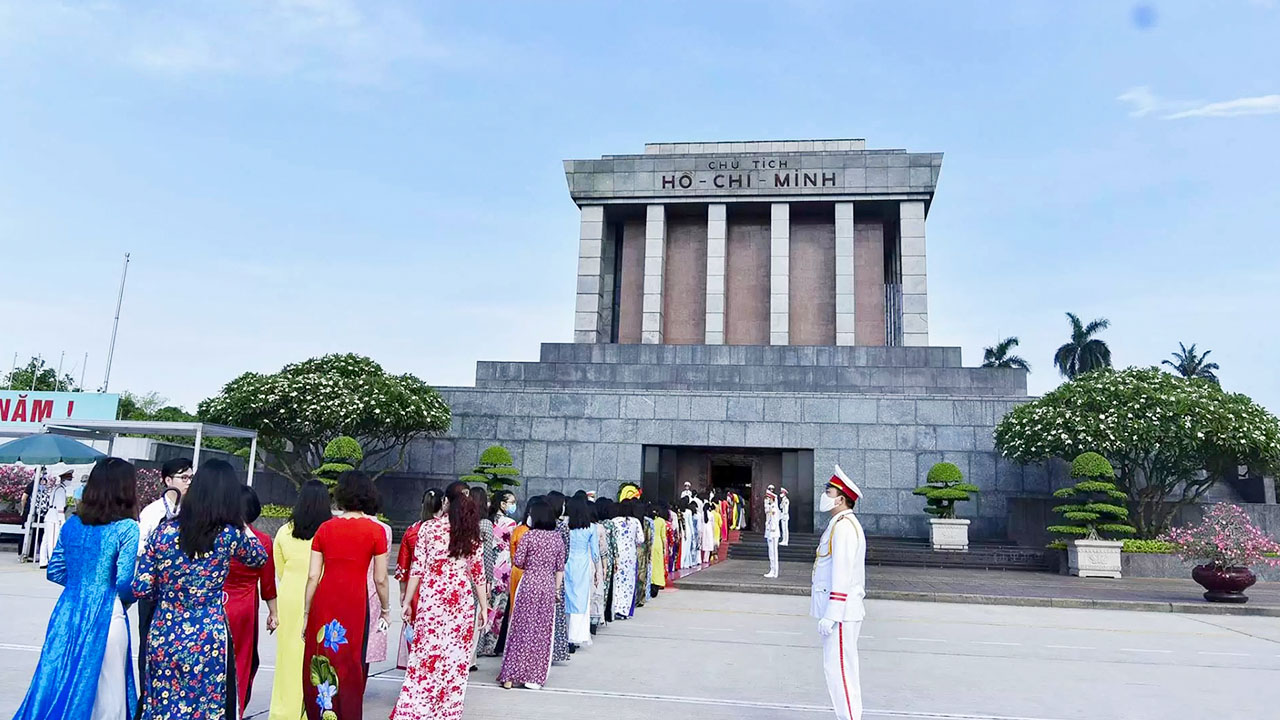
x=496 y=469
x=1093 y=512
x=945 y=488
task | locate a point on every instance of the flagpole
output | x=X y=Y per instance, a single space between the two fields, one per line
x=115 y=325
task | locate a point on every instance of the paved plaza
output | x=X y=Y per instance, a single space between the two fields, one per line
x=736 y=655
x=1035 y=589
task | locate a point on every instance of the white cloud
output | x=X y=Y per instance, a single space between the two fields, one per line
x=1261 y=105
x=1143 y=102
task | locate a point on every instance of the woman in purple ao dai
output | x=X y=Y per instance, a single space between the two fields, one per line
x=541 y=555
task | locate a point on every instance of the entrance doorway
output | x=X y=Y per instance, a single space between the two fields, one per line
x=747 y=471
x=727 y=475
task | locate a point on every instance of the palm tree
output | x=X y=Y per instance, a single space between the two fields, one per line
x=1191 y=364
x=999 y=357
x=1085 y=352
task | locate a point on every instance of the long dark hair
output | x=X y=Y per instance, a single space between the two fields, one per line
x=211 y=504
x=432 y=501
x=480 y=497
x=111 y=493
x=495 y=502
x=464 y=520
x=250 y=505
x=311 y=509
x=604 y=509
x=579 y=512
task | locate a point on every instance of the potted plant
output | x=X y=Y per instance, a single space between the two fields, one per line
x=946 y=487
x=1093 y=513
x=1227 y=543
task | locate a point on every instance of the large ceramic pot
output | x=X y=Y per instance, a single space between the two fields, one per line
x=1226 y=585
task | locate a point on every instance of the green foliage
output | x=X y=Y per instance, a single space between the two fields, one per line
x=1091 y=465
x=1131 y=545
x=1191 y=364
x=299 y=409
x=271 y=510
x=1168 y=439
x=344 y=449
x=998 y=356
x=945 y=488
x=496 y=470
x=1147 y=547
x=343 y=453
x=1084 y=352
x=1093 y=514
x=944 y=472
x=37 y=373
x=496 y=455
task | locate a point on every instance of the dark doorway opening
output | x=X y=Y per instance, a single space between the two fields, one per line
x=726 y=476
x=747 y=471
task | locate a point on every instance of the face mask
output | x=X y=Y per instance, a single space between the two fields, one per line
x=826 y=503
x=511 y=510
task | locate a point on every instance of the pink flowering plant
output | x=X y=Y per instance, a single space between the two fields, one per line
x=1226 y=538
x=150 y=485
x=13 y=482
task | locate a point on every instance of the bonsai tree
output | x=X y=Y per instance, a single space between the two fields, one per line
x=496 y=469
x=1093 y=511
x=343 y=453
x=946 y=487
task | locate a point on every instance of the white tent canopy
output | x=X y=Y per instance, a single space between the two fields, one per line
x=109 y=429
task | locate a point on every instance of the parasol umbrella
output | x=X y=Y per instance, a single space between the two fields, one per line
x=46 y=449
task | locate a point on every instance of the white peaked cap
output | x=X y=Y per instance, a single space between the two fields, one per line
x=842 y=483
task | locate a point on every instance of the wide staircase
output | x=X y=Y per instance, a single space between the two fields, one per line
x=904 y=552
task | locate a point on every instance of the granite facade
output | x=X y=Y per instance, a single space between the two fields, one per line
x=583 y=433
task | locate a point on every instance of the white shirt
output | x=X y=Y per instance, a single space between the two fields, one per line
x=784 y=506
x=150 y=518
x=839 y=571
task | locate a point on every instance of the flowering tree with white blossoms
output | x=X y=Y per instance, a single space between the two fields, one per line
x=299 y=409
x=1169 y=438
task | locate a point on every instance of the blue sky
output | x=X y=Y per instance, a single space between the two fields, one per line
x=295 y=177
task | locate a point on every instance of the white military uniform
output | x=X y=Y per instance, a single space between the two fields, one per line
x=772 y=531
x=839 y=584
x=784 y=508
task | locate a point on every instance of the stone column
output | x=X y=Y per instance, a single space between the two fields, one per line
x=655 y=252
x=779 y=273
x=845 y=304
x=590 y=313
x=915 y=288
x=717 y=251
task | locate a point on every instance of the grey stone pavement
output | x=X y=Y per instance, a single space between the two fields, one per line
x=716 y=656
x=995 y=588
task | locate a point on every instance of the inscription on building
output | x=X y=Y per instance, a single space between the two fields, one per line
x=735 y=173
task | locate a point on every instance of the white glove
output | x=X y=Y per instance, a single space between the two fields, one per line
x=826 y=627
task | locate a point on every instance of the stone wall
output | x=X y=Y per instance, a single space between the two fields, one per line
x=567 y=439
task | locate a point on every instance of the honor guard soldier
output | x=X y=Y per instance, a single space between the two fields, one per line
x=784 y=512
x=839 y=584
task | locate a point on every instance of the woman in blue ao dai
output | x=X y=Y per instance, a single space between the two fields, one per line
x=84 y=669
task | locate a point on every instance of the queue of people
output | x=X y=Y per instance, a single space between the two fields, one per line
x=478 y=576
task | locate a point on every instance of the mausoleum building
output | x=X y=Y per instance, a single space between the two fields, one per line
x=748 y=313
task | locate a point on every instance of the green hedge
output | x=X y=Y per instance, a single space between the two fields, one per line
x=276 y=511
x=1147 y=547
